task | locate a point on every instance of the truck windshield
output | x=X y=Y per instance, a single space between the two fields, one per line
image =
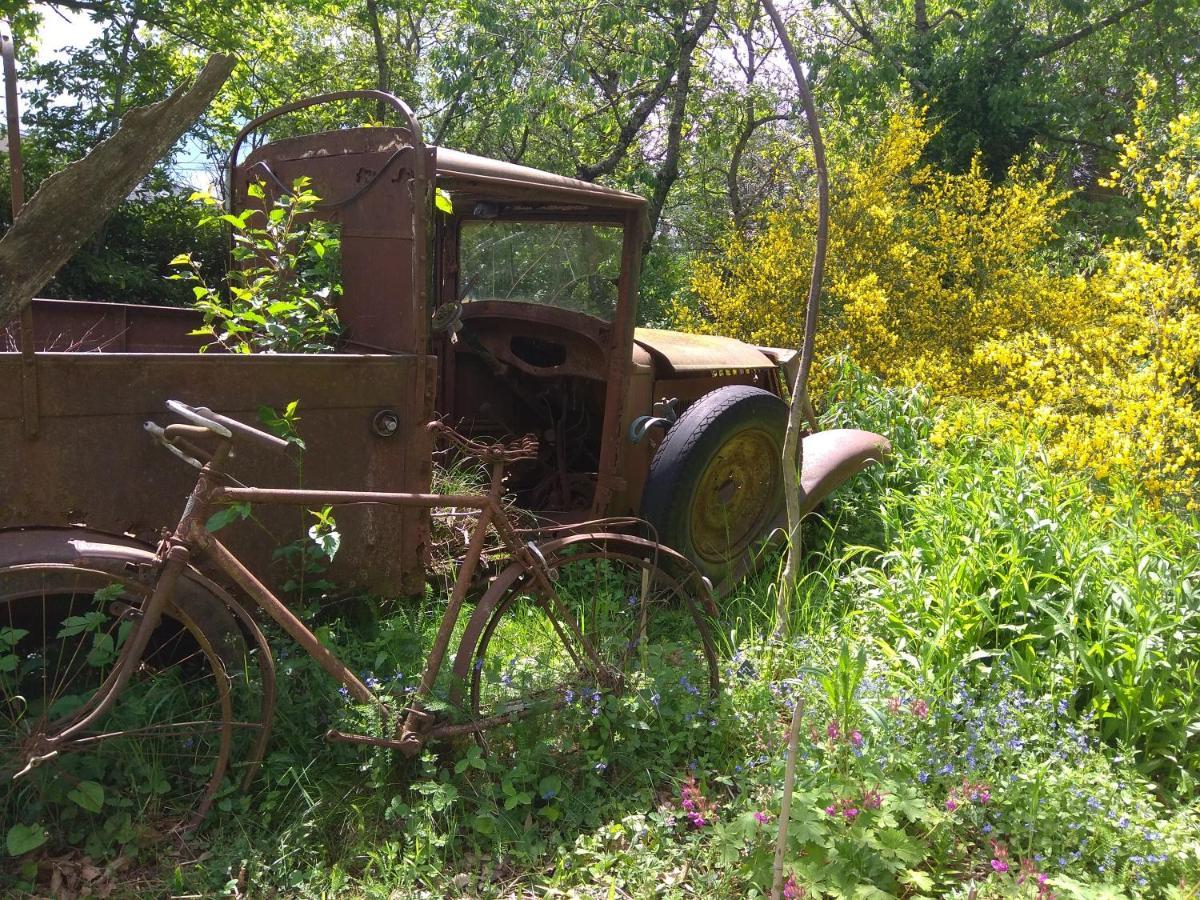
x=571 y=265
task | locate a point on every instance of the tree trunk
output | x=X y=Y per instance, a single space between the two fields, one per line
x=70 y=205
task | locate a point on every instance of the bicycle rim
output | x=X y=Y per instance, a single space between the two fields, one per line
x=651 y=637
x=151 y=766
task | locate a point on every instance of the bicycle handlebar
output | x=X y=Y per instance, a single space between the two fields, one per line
x=220 y=425
x=246 y=431
x=196 y=417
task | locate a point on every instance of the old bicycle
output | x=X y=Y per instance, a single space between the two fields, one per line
x=133 y=685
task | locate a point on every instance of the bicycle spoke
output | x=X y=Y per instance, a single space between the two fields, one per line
x=158 y=753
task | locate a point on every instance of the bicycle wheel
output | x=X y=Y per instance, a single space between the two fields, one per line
x=153 y=763
x=651 y=636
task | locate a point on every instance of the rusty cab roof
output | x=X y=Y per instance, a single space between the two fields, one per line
x=471 y=175
x=464 y=174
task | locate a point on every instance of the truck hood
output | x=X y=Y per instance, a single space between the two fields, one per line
x=679 y=353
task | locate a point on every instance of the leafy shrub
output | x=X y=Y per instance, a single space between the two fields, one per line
x=987 y=553
x=280 y=291
x=923 y=266
x=1121 y=388
x=942 y=279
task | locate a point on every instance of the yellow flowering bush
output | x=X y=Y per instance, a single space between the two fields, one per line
x=1119 y=393
x=923 y=267
x=940 y=278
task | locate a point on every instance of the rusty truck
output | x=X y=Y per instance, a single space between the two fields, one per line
x=513 y=312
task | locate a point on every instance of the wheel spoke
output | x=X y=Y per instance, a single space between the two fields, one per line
x=159 y=752
x=627 y=609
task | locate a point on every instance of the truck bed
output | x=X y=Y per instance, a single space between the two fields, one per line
x=73 y=451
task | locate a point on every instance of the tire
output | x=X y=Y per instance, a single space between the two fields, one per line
x=715 y=485
x=514 y=662
x=153 y=764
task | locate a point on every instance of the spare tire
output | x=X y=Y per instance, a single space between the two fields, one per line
x=715 y=485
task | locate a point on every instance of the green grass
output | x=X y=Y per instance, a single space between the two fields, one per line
x=997 y=665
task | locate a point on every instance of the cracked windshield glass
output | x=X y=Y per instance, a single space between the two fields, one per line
x=571 y=265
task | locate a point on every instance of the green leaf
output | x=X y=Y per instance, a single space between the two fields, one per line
x=484 y=824
x=183 y=259
x=103 y=651
x=916 y=879
x=23 y=838
x=73 y=625
x=441 y=199
x=88 y=795
x=9 y=637
x=231 y=513
x=328 y=542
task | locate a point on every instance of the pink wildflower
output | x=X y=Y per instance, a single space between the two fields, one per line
x=831 y=810
x=833 y=731
x=762 y=818
x=893 y=705
x=791 y=890
x=850 y=813
x=920 y=709
x=951 y=805
x=700 y=810
x=856 y=738
x=999 y=865
x=872 y=799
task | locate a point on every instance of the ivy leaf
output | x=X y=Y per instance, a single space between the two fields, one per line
x=23 y=838
x=88 y=795
x=441 y=199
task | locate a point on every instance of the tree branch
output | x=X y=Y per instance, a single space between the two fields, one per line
x=1088 y=30
x=733 y=190
x=801 y=406
x=868 y=34
x=73 y=203
x=668 y=171
x=637 y=118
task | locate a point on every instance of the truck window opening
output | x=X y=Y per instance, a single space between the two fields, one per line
x=570 y=265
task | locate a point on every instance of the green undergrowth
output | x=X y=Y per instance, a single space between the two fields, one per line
x=996 y=665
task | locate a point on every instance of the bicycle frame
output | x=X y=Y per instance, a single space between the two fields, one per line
x=192 y=539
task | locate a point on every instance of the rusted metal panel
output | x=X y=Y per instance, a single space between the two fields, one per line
x=93 y=464
x=833 y=457
x=465 y=171
x=365 y=177
x=86 y=326
x=680 y=353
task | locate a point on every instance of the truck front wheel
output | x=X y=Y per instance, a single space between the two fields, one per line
x=715 y=485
